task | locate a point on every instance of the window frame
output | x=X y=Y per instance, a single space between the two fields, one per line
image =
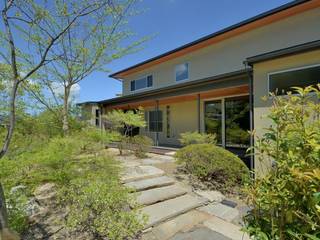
x=157 y=122
x=175 y=72
x=141 y=89
x=289 y=70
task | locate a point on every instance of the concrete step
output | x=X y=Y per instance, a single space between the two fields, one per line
x=226 y=228
x=161 y=194
x=140 y=173
x=222 y=211
x=182 y=223
x=162 y=211
x=150 y=183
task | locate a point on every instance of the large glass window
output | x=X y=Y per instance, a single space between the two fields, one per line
x=141 y=83
x=155 y=121
x=282 y=82
x=182 y=72
x=213 y=119
x=237 y=123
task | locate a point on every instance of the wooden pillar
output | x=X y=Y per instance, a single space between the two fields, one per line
x=199 y=113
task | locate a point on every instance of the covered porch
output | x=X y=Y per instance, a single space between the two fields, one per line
x=219 y=105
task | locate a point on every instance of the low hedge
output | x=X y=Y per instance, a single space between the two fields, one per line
x=212 y=163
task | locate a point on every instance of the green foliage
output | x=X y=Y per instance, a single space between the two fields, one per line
x=141 y=145
x=212 y=163
x=99 y=204
x=286 y=202
x=87 y=179
x=188 y=138
x=17 y=203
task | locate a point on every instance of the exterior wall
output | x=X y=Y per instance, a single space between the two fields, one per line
x=228 y=55
x=260 y=88
x=183 y=118
x=88 y=113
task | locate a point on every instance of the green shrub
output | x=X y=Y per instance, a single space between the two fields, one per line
x=212 y=163
x=188 y=138
x=141 y=145
x=286 y=201
x=100 y=204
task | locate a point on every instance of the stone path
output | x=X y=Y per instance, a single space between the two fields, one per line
x=174 y=211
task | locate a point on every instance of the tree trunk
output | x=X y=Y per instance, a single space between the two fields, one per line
x=65 y=112
x=3 y=211
x=12 y=118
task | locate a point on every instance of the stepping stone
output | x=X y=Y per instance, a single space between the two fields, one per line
x=200 y=233
x=222 y=211
x=212 y=196
x=150 y=183
x=141 y=172
x=162 y=211
x=155 y=195
x=225 y=228
x=183 y=223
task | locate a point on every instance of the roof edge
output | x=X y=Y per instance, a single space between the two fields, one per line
x=215 y=34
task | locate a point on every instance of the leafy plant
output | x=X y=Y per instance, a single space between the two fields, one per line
x=286 y=200
x=212 y=163
x=141 y=145
x=188 y=138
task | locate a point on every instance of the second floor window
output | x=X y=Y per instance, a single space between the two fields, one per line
x=141 y=83
x=182 y=72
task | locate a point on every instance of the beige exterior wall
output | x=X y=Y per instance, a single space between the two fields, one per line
x=228 y=55
x=260 y=76
x=89 y=113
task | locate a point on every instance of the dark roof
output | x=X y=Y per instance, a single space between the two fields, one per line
x=284 y=52
x=250 y=20
x=176 y=87
x=87 y=103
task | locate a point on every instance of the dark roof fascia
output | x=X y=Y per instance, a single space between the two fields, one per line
x=176 y=87
x=284 y=52
x=215 y=34
x=87 y=103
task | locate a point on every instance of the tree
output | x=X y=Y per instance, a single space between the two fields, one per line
x=86 y=48
x=32 y=29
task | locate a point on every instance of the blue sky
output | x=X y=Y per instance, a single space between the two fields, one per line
x=172 y=23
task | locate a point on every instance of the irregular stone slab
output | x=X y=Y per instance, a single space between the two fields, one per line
x=229 y=203
x=222 y=211
x=164 y=210
x=212 y=196
x=200 y=233
x=150 y=183
x=225 y=228
x=155 y=195
x=141 y=172
x=151 y=161
x=183 y=223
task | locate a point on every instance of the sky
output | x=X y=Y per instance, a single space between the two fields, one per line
x=171 y=23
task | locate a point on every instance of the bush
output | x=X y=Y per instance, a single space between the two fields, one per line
x=212 y=163
x=188 y=138
x=141 y=145
x=100 y=204
x=286 y=201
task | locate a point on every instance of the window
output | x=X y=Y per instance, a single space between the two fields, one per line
x=155 y=121
x=237 y=122
x=168 y=121
x=182 y=72
x=213 y=119
x=97 y=117
x=282 y=82
x=141 y=83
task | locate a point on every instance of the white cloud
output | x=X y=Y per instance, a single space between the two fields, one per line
x=59 y=90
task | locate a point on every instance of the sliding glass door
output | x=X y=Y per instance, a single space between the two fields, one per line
x=229 y=119
x=213 y=119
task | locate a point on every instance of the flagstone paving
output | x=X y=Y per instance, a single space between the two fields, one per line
x=174 y=211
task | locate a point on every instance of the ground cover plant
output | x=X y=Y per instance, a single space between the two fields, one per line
x=86 y=177
x=286 y=201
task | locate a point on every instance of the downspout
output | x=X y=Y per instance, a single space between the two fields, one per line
x=248 y=67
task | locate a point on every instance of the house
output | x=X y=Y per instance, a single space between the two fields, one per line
x=215 y=83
